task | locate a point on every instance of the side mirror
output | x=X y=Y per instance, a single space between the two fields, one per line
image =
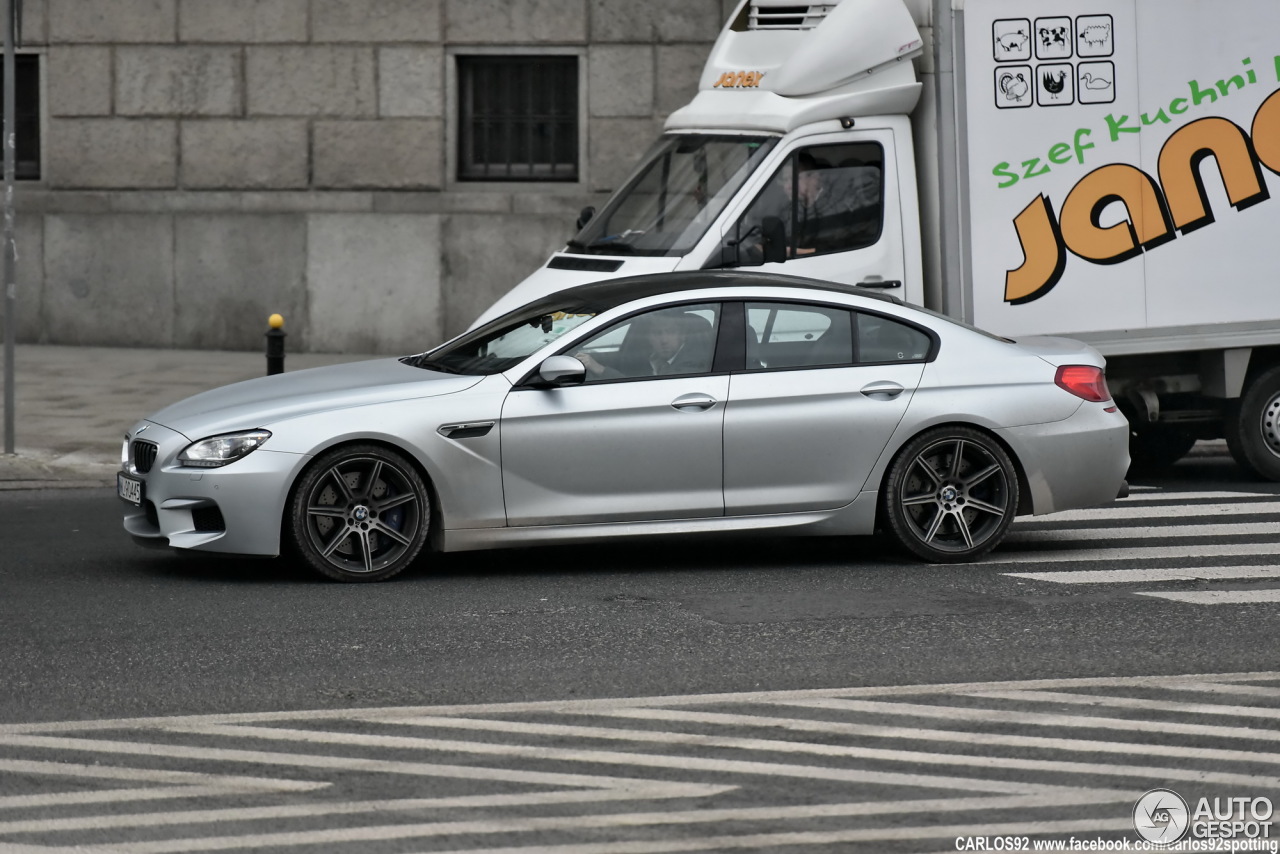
x=559 y=371
x=774 y=236
x=584 y=216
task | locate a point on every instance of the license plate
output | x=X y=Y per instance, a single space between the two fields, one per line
x=129 y=488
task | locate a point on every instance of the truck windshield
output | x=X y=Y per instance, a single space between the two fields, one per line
x=679 y=191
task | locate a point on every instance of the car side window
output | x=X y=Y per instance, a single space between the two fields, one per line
x=786 y=335
x=675 y=341
x=880 y=339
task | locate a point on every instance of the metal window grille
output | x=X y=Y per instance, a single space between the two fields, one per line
x=518 y=118
x=27 y=115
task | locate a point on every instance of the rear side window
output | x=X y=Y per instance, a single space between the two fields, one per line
x=786 y=335
x=880 y=339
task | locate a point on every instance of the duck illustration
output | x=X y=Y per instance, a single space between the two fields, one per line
x=1091 y=82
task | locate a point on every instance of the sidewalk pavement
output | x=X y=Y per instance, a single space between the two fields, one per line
x=73 y=404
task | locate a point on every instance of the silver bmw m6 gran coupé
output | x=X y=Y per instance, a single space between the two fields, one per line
x=658 y=405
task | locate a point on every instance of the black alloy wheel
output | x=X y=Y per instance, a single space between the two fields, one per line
x=950 y=495
x=360 y=513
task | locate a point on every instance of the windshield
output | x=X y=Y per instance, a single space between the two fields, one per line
x=685 y=182
x=502 y=344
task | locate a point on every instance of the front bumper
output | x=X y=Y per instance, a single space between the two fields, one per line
x=236 y=509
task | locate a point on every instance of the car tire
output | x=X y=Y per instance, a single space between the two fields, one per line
x=950 y=495
x=360 y=513
x=1252 y=427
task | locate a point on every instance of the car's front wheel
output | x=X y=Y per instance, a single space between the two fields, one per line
x=360 y=513
x=950 y=495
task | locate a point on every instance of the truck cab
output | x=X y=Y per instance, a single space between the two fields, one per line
x=796 y=154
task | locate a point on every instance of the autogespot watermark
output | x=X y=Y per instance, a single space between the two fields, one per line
x=1164 y=821
x=1164 y=817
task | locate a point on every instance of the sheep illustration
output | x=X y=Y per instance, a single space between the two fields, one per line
x=1095 y=35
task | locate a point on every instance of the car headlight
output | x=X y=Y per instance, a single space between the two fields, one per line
x=220 y=450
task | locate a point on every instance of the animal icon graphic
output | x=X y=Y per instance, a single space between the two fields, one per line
x=1012 y=42
x=1013 y=85
x=1053 y=36
x=1054 y=82
x=1095 y=35
x=1091 y=82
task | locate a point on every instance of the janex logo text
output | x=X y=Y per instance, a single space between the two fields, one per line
x=1157 y=208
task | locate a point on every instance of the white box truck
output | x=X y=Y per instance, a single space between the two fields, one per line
x=1098 y=169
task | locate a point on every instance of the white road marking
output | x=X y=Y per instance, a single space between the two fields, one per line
x=1033 y=718
x=694 y=763
x=577 y=823
x=1130 y=703
x=1191 y=496
x=206 y=816
x=1006 y=556
x=1158 y=532
x=304 y=760
x=1160 y=511
x=698 y=816
x=1148 y=575
x=392 y=713
x=950 y=736
x=1228 y=688
x=1219 y=597
x=641 y=760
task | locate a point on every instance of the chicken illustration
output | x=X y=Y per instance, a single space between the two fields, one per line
x=1014 y=86
x=1054 y=82
x=1091 y=82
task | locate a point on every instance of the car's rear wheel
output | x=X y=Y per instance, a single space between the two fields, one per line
x=950 y=495
x=360 y=513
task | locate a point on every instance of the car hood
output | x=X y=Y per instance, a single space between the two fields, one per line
x=266 y=400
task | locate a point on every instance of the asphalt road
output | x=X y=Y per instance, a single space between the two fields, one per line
x=95 y=628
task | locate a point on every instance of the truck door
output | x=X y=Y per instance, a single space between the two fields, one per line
x=830 y=211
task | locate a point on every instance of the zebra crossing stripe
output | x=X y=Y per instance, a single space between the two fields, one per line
x=1007 y=556
x=1160 y=532
x=1218 y=597
x=1160 y=511
x=1149 y=575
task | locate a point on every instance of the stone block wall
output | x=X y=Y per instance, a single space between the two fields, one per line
x=208 y=162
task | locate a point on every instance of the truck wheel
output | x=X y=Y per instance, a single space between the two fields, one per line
x=1253 y=427
x=1154 y=448
x=950 y=495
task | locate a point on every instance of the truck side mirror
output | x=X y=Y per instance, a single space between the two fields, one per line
x=584 y=216
x=774 y=237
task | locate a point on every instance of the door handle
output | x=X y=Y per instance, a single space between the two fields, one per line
x=693 y=402
x=881 y=283
x=884 y=390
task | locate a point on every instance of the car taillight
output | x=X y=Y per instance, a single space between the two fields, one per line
x=1084 y=381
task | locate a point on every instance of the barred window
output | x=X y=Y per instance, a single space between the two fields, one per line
x=27 y=115
x=518 y=118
